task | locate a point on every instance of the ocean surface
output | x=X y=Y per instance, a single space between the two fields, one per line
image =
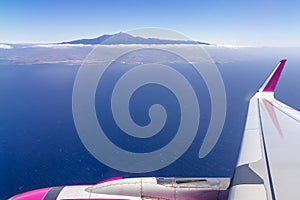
x=40 y=147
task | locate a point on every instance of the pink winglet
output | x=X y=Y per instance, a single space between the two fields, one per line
x=38 y=194
x=111 y=179
x=272 y=82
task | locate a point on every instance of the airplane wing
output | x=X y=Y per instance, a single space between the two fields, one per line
x=269 y=162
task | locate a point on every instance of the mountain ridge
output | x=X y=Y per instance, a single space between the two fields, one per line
x=125 y=38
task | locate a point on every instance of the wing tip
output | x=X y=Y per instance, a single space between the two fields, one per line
x=271 y=82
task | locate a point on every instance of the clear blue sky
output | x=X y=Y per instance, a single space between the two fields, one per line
x=236 y=22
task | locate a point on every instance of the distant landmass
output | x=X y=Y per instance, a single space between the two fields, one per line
x=125 y=38
x=74 y=52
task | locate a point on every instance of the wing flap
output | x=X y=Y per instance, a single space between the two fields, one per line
x=248 y=192
x=282 y=137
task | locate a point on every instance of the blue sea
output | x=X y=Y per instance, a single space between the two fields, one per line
x=40 y=147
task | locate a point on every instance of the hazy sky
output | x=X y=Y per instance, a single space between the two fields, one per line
x=232 y=22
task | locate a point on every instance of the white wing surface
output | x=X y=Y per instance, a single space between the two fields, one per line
x=269 y=160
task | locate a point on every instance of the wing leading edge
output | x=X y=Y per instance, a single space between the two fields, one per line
x=268 y=164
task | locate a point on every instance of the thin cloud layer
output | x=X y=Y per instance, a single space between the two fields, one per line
x=5 y=46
